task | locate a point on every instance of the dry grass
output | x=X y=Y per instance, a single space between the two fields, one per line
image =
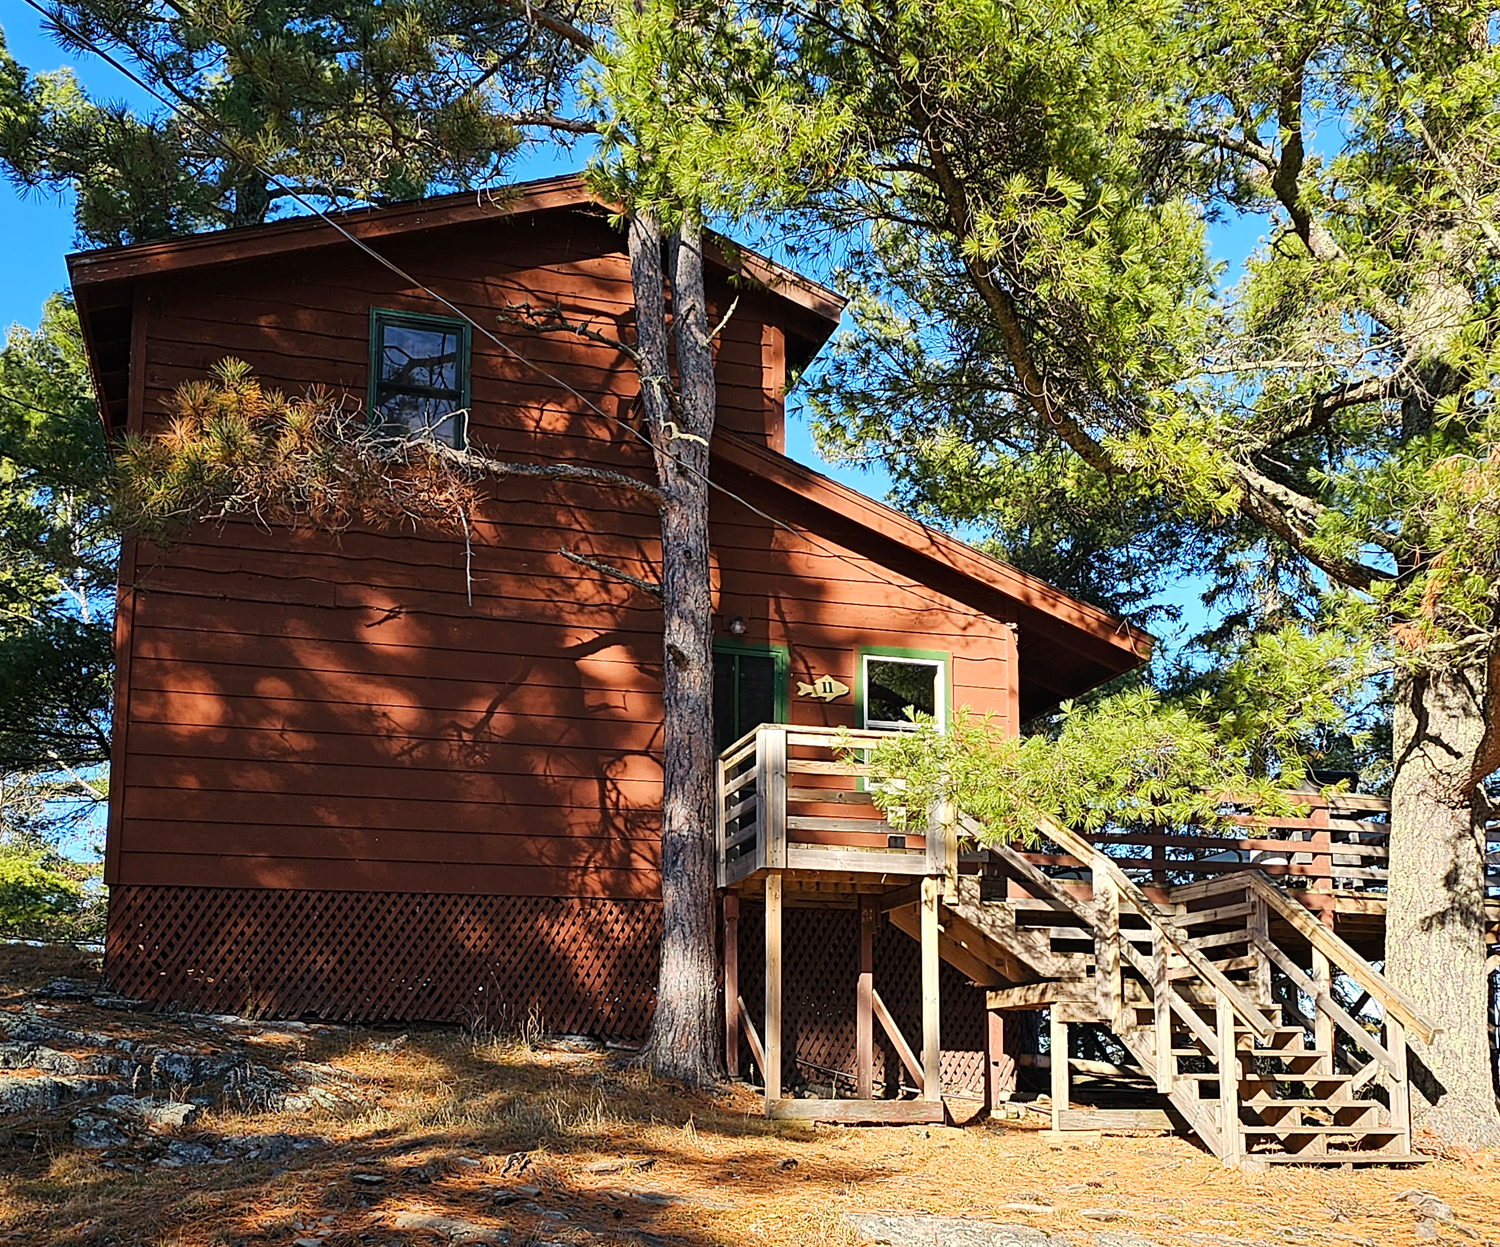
x=449 y=1098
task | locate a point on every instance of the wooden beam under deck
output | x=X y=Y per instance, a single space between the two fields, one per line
x=905 y=1112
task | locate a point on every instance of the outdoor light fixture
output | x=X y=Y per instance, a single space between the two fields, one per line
x=737 y=626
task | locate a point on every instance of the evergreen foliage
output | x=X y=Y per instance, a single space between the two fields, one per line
x=57 y=553
x=344 y=102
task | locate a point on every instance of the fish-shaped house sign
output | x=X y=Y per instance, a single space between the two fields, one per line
x=825 y=688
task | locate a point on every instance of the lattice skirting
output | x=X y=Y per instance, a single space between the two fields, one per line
x=820 y=953
x=568 y=965
x=579 y=966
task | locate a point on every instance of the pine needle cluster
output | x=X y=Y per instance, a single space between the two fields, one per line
x=231 y=447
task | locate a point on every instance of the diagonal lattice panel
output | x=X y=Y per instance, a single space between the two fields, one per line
x=576 y=965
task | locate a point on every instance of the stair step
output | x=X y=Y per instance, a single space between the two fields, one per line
x=1277 y=1054
x=1341 y=1158
x=1364 y=1132
x=1277 y=1077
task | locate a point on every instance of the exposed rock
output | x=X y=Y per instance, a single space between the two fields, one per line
x=317 y=1073
x=180 y=1155
x=268 y=1147
x=511 y=1194
x=1102 y=1214
x=1431 y=1212
x=388 y=1045
x=574 y=1043
x=97 y=1134
x=161 y=1115
x=20 y=1095
x=68 y=989
x=455 y=1229
x=926 y=1231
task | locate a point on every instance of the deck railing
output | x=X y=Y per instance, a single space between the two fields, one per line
x=793 y=798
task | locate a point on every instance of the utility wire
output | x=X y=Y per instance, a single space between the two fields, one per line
x=297 y=196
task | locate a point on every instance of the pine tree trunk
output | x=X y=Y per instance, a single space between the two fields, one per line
x=683 y=1044
x=1435 y=919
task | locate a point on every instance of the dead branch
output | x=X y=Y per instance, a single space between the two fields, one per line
x=604 y=569
x=553 y=319
x=546 y=471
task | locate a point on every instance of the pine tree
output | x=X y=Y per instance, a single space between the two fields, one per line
x=1024 y=194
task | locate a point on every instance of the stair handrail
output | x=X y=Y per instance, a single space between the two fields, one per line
x=1395 y=1002
x=1087 y=853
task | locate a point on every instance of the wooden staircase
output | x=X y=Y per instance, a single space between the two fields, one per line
x=1206 y=991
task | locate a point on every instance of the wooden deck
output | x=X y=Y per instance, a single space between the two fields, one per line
x=1194 y=948
x=792 y=800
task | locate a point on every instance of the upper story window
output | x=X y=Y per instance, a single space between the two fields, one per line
x=419 y=374
x=895 y=681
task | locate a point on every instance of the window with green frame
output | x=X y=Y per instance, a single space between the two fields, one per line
x=419 y=374
x=891 y=681
x=750 y=688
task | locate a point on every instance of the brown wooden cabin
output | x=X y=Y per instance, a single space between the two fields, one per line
x=340 y=787
x=392 y=776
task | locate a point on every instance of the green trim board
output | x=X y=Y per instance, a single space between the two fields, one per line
x=380 y=316
x=781 y=667
x=889 y=651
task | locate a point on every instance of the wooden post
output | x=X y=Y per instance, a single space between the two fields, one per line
x=1260 y=924
x=932 y=1045
x=773 y=990
x=1161 y=996
x=1000 y=1061
x=1322 y=884
x=732 y=986
x=1107 y=948
x=1229 y=1084
x=773 y=797
x=864 y=1013
x=1058 y=1030
x=1395 y=1044
x=1322 y=976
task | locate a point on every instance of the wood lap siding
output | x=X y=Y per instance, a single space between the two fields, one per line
x=335 y=715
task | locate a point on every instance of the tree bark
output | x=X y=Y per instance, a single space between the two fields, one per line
x=683 y=1044
x=1435 y=918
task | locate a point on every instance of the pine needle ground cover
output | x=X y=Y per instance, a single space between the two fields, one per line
x=448 y=1133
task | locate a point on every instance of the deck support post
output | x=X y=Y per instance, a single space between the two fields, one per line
x=732 y=986
x=1161 y=1013
x=1000 y=1060
x=932 y=1048
x=773 y=990
x=1260 y=924
x=1229 y=1083
x=1107 y=992
x=1395 y=1044
x=864 y=1013
x=1058 y=1043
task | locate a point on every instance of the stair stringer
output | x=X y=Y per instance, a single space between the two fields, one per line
x=985 y=933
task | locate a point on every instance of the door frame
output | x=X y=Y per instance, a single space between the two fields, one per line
x=781 y=657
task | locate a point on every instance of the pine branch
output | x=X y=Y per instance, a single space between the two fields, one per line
x=501 y=470
x=604 y=569
x=559 y=26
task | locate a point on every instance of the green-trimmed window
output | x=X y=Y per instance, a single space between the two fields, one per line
x=750 y=688
x=419 y=374
x=893 y=681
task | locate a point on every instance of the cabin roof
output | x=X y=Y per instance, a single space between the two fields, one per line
x=1067 y=646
